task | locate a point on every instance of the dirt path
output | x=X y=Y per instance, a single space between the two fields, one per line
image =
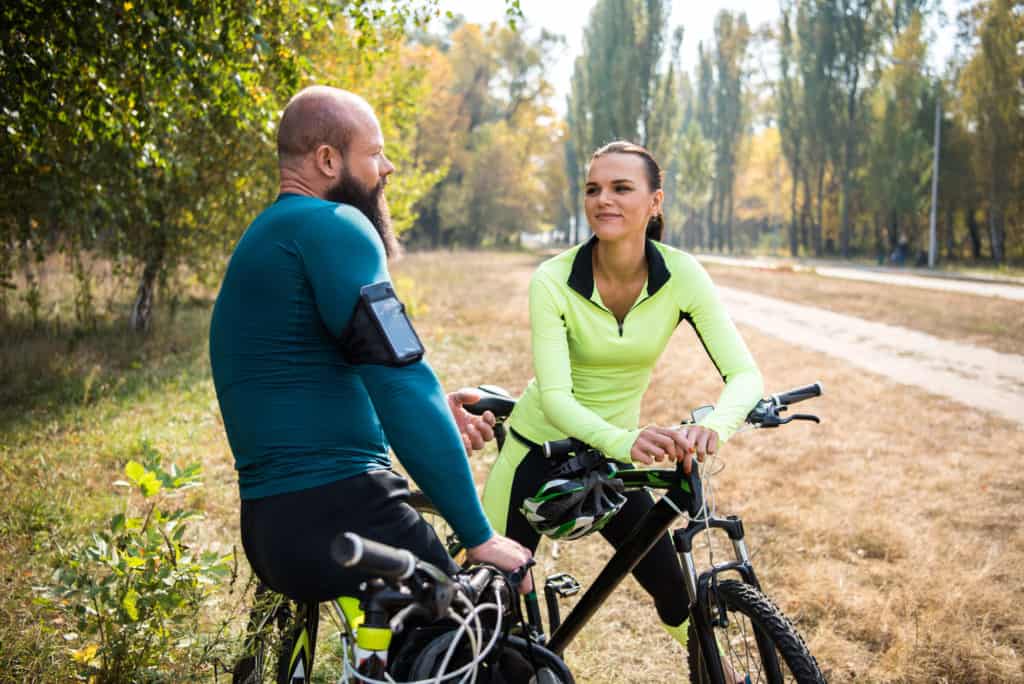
x=982 y=378
x=1006 y=289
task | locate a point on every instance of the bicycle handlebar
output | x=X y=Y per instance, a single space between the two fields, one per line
x=765 y=414
x=373 y=558
x=798 y=394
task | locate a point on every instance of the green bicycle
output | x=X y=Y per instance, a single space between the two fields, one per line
x=412 y=624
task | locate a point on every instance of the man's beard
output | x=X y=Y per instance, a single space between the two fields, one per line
x=372 y=203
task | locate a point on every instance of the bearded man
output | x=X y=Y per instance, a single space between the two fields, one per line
x=317 y=370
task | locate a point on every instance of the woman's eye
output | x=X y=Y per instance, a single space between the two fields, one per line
x=622 y=188
x=591 y=191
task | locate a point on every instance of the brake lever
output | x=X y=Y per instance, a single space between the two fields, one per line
x=805 y=416
x=516 y=577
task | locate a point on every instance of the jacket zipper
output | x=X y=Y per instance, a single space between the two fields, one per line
x=617 y=321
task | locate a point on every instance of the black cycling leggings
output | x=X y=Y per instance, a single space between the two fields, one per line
x=659 y=573
x=287 y=537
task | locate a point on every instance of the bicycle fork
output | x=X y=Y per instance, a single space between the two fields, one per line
x=699 y=587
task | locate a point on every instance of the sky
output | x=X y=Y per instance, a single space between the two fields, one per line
x=568 y=17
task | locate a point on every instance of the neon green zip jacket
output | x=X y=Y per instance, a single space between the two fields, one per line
x=591 y=372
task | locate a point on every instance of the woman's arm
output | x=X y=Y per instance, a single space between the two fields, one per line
x=553 y=374
x=702 y=308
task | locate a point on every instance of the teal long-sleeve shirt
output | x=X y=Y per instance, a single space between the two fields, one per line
x=297 y=415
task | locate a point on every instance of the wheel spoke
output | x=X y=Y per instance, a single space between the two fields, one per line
x=751 y=623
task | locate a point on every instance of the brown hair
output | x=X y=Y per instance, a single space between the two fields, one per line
x=656 y=224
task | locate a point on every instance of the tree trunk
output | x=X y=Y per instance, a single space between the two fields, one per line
x=142 y=310
x=974 y=233
x=728 y=221
x=950 y=234
x=844 y=230
x=996 y=232
x=881 y=250
x=805 y=215
x=820 y=218
x=794 y=248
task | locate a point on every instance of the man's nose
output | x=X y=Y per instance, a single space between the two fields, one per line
x=387 y=169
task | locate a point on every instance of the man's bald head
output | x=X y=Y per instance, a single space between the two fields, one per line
x=320 y=115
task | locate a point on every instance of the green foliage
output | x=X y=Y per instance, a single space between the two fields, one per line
x=619 y=91
x=136 y=590
x=144 y=131
x=490 y=95
x=991 y=84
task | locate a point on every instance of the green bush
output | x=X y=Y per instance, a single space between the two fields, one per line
x=135 y=591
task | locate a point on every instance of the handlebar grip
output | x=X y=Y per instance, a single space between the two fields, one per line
x=559 y=448
x=373 y=558
x=798 y=394
x=495 y=405
x=495 y=399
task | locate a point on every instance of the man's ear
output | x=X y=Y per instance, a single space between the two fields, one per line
x=328 y=161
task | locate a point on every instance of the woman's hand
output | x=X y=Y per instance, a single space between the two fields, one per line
x=696 y=440
x=656 y=443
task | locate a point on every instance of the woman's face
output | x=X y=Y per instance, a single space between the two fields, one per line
x=617 y=197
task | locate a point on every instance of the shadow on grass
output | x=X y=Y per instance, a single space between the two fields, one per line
x=46 y=371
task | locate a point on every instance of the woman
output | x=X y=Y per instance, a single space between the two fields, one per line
x=601 y=313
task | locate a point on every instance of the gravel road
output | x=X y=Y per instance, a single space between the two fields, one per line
x=1006 y=288
x=978 y=377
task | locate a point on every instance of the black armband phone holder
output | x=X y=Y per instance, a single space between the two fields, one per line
x=380 y=332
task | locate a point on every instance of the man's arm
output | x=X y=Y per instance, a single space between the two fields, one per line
x=342 y=253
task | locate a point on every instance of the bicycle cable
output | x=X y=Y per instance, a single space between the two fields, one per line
x=471 y=627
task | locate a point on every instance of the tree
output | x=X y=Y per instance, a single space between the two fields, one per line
x=143 y=131
x=792 y=128
x=497 y=127
x=857 y=33
x=991 y=83
x=732 y=36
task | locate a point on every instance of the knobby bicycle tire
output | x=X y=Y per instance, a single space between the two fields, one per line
x=270 y=651
x=754 y=621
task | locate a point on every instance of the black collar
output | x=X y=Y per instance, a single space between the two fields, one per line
x=581 y=278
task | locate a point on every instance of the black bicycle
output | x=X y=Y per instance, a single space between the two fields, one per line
x=734 y=627
x=413 y=624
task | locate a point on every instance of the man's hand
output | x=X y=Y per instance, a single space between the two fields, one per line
x=475 y=430
x=505 y=554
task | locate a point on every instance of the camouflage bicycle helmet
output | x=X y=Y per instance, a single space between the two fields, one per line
x=573 y=507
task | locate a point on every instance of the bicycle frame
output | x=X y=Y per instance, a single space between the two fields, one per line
x=678 y=498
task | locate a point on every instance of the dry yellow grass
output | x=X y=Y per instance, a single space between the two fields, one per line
x=889 y=533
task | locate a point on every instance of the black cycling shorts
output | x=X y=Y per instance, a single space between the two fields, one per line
x=659 y=573
x=287 y=537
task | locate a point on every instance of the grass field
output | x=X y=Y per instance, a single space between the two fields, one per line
x=890 y=533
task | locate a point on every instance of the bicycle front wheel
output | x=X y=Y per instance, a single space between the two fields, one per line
x=426 y=508
x=756 y=642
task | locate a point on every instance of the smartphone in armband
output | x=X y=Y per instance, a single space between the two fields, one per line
x=395 y=330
